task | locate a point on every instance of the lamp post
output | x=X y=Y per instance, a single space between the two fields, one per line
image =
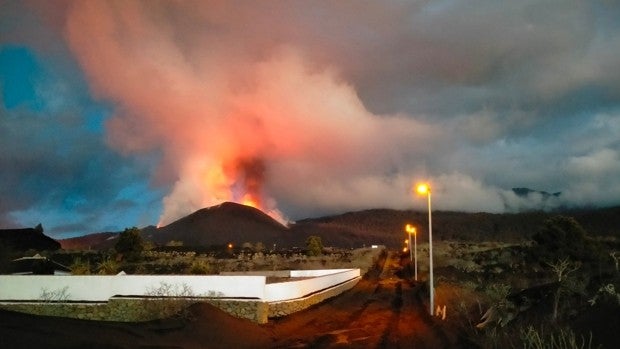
x=424 y=189
x=411 y=230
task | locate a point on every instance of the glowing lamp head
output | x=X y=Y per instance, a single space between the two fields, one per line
x=423 y=189
x=410 y=229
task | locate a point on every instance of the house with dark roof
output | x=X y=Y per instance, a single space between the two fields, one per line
x=37 y=265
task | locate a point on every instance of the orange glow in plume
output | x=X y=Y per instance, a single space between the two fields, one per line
x=248 y=200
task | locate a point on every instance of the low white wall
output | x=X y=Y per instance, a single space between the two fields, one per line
x=103 y=287
x=273 y=273
x=100 y=288
x=316 y=272
x=296 y=289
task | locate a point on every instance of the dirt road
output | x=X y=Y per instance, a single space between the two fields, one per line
x=385 y=310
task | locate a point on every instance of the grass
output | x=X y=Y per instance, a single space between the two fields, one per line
x=563 y=338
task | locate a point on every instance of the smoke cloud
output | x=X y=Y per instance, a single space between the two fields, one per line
x=232 y=121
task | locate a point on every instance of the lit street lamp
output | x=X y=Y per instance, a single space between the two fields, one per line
x=424 y=189
x=411 y=230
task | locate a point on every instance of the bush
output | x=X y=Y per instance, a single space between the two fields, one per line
x=79 y=267
x=107 y=267
x=130 y=243
x=200 y=268
x=314 y=245
x=169 y=300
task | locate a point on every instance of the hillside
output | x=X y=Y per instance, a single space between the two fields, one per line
x=230 y=222
x=385 y=226
x=219 y=225
x=96 y=241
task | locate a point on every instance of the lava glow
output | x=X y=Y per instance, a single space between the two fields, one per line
x=211 y=183
x=248 y=200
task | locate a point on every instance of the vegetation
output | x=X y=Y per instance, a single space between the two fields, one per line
x=79 y=267
x=555 y=292
x=108 y=266
x=130 y=244
x=563 y=237
x=169 y=300
x=561 y=339
x=200 y=267
x=314 y=245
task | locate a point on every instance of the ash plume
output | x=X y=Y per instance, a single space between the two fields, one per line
x=232 y=116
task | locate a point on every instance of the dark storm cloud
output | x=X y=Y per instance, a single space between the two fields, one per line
x=54 y=163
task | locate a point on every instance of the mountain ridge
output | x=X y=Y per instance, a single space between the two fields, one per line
x=235 y=223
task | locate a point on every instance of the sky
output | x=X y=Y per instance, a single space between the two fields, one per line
x=130 y=113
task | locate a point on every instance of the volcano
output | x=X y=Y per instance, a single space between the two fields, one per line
x=221 y=224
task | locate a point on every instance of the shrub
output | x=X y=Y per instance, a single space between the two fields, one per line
x=108 y=266
x=169 y=300
x=199 y=267
x=314 y=245
x=79 y=267
x=130 y=243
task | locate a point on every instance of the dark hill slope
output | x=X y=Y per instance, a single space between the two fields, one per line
x=94 y=241
x=598 y=222
x=218 y=225
x=384 y=226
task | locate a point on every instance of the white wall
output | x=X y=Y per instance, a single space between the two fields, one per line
x=296 y=289
x=316 y=272
x=100 y=288
x=103 y=287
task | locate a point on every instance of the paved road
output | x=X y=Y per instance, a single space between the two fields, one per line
x=385 y=310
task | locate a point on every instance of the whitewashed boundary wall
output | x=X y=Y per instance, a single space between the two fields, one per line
x=246 y=296
x=100 y=288
x=282 y=291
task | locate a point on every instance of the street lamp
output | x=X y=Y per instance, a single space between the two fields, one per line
x=411 y=230
x=424 y=189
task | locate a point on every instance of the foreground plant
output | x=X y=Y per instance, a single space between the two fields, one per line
x=561 y=339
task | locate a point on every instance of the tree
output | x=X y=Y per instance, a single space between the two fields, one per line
x=130 y=243
x=563 y=237
x=314 y=245
x=563 y=269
